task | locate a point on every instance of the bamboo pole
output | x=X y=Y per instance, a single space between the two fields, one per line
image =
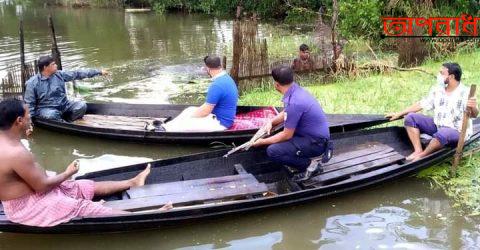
x=55 y=50
x=23 y=73
x=334 y=41
x=237 y=51
x=461 y=140
x=35 y=67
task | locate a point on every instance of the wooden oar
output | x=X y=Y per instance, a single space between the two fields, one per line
x=261 y=133
x=461 y=140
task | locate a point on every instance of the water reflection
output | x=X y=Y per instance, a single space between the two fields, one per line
x=266 y=241
x=55 y=151
x=383 y=228
x=151 y=57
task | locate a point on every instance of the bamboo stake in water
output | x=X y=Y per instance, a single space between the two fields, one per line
x=461 y=140
x=22 y=57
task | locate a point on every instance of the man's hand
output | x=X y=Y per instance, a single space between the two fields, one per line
x=105 y=72
x=472 y=108
x=258 y=143
x=72 y=168
x=268 y=127
x=472 y=103
x=29 y=131
x=394 y=116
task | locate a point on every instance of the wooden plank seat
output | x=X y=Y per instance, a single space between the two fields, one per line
x=346 y=169
x=359 y=151
x=362 y=153
x=359 y=160
x=362 y=176
x=187 y=186
x=116 y=122
x=190 y=192
x=240 y=169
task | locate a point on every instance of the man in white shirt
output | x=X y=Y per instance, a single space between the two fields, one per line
x=448 y=100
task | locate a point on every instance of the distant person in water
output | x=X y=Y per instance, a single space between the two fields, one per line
x=46 y=96
x=449 y=100
x=303 y=62
x=220 y=107
x=31 y=197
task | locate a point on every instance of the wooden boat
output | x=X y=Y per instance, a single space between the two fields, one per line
x=207 y=185
x=137 y=10
x=127 y=122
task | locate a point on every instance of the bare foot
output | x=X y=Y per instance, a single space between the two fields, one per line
x=418 y=157
x=166 y=207
x=139 y=180
x=412 y=156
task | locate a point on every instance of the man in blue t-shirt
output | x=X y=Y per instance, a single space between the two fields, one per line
x=305 y=134
x=218 y=111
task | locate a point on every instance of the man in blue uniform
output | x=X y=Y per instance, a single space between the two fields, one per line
x=46 y=96
x=305 y=134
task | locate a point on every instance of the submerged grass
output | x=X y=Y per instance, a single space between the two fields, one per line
x=384 y=93
x=464 y=188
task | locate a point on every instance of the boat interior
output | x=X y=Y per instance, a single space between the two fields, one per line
x=246 y=118
x=210 y=178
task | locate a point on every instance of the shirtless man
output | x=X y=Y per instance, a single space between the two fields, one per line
x=29 y=196
x=303 y=62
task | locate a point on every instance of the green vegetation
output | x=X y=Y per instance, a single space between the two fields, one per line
x=356 y=19
x=375 y=93
x=284 y=44
x=76 y=3
x=361 y=19
x=464 y=188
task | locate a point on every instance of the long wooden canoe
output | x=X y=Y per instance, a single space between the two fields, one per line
x=123 y=121
x=207 y=185
x=137 y=10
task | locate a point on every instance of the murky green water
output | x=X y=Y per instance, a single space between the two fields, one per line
x=152 y=58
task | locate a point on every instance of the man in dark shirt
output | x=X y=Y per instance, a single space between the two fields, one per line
x=46 y=96
x=306 y=131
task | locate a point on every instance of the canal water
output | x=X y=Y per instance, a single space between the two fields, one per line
x=158 y=59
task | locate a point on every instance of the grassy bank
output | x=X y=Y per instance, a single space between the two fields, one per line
x=383 y=93
x=377 y=93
